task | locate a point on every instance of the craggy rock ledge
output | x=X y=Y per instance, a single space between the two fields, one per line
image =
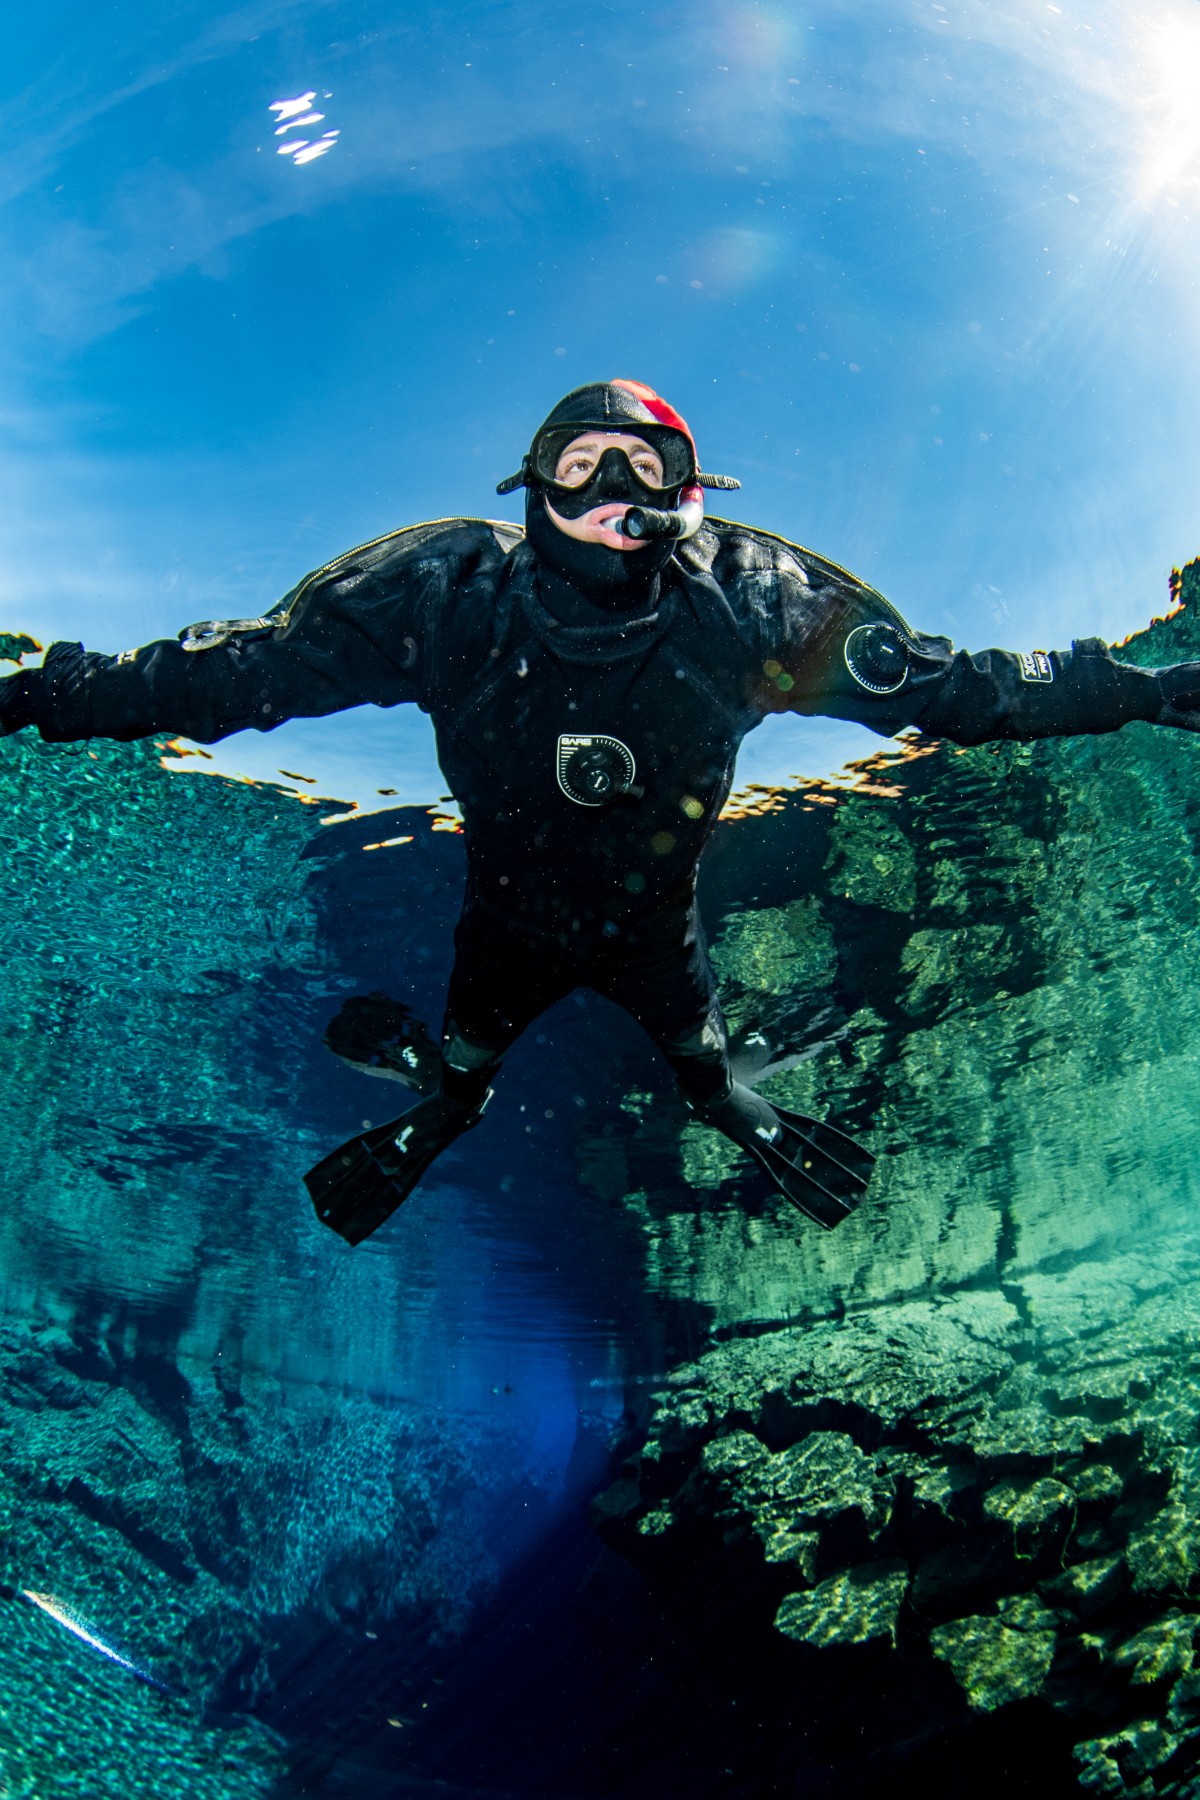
x=978 y=1512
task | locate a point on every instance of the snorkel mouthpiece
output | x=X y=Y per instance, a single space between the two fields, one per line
x=645 y=524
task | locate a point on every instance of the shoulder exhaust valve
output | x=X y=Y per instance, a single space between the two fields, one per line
x=877 y=657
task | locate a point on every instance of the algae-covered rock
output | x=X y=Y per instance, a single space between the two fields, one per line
x=1038 y=1514
x=1164 y=1556
x=871 y=861
x=859 y=1606
x=1089 y=1588
x=769 y=950
x=1161 y=1651
x=822 y=1497
x=1126 y=1762
x=993 y=1662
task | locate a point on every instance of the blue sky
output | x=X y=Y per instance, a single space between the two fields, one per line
x=921 y=275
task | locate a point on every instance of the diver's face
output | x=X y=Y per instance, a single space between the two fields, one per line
x=576 y=466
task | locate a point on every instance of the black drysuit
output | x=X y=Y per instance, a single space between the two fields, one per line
x=590 y=760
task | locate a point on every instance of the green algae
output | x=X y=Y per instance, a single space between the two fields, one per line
x=859 y=1606
x=790 y=947
x=871 y=861
x=993 y=1663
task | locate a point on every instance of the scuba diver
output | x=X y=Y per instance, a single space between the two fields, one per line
x=590 y=681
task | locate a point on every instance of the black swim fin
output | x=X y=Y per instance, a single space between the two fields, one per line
x=815 y=1166
x=358 y=1186
x=379 y=1036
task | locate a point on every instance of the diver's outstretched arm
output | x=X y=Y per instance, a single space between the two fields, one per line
x=351 y=634
x=301 y=661
x=999 y=694
x=846 y=653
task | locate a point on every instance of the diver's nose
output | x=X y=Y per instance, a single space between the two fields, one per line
x=614 y=477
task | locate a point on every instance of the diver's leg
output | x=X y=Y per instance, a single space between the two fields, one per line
x=666 y=981
x=502 y=979
x=661 y=973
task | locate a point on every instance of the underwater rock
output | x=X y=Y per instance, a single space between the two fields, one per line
x=1164 y=1556
x=1089 y=1588
x=858 y=1606
x=1038 y=1516
x=992 y=1367
x=1126 y=1762
x=1041 y=1558
x=993 y=1662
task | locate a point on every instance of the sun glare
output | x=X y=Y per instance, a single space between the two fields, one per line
x=1171 y=157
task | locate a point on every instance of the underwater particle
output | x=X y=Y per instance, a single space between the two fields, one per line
x=691 y=807
x=635 y=883
x=662 y=843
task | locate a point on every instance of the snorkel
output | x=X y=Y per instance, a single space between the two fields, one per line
x=683 y=521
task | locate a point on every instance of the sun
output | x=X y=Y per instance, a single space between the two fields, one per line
x=1170 y=158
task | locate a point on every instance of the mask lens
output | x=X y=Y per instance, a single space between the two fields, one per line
x=673 y=448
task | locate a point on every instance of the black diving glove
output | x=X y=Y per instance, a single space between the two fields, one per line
x=16 y=701
x=1181 y=696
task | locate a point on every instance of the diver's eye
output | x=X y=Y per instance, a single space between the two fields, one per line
x=650 y=470
x=572 y=470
